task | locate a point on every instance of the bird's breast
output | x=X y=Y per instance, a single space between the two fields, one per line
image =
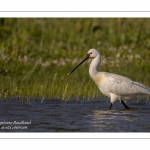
x=99 y=79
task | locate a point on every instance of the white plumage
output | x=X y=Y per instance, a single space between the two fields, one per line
x=115 y=86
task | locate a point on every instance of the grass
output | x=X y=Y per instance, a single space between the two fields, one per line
x=37 y=53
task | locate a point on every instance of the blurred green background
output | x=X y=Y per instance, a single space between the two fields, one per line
x=37 y=53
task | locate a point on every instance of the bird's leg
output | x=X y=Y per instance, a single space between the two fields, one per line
x=124 y=104
x=110 y=106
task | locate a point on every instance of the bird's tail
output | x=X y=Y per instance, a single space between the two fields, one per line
x=141 y=88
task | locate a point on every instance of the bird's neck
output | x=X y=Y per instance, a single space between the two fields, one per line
x=94 y=66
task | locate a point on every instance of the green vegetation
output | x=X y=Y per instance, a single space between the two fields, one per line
x=37 y=53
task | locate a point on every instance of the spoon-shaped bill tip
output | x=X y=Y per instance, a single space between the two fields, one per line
x=68 y=74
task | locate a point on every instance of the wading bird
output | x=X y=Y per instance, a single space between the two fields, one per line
x=116 y=87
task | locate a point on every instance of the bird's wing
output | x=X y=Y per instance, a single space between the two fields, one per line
x=122 y=86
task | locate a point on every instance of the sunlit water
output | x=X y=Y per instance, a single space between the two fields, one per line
x=73 y=116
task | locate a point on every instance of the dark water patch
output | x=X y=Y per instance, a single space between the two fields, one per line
x=73 y=116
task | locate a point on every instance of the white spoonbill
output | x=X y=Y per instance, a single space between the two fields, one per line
x=116 y=87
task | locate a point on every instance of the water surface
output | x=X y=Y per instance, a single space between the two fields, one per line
x=73 y=116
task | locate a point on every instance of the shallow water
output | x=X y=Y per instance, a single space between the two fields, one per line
x=73 y=116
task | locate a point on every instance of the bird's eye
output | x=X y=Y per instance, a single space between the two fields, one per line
x=91 y=53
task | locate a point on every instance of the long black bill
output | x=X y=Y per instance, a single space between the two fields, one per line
x=87 y=56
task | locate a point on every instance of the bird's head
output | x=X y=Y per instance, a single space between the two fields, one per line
x=92 y=53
